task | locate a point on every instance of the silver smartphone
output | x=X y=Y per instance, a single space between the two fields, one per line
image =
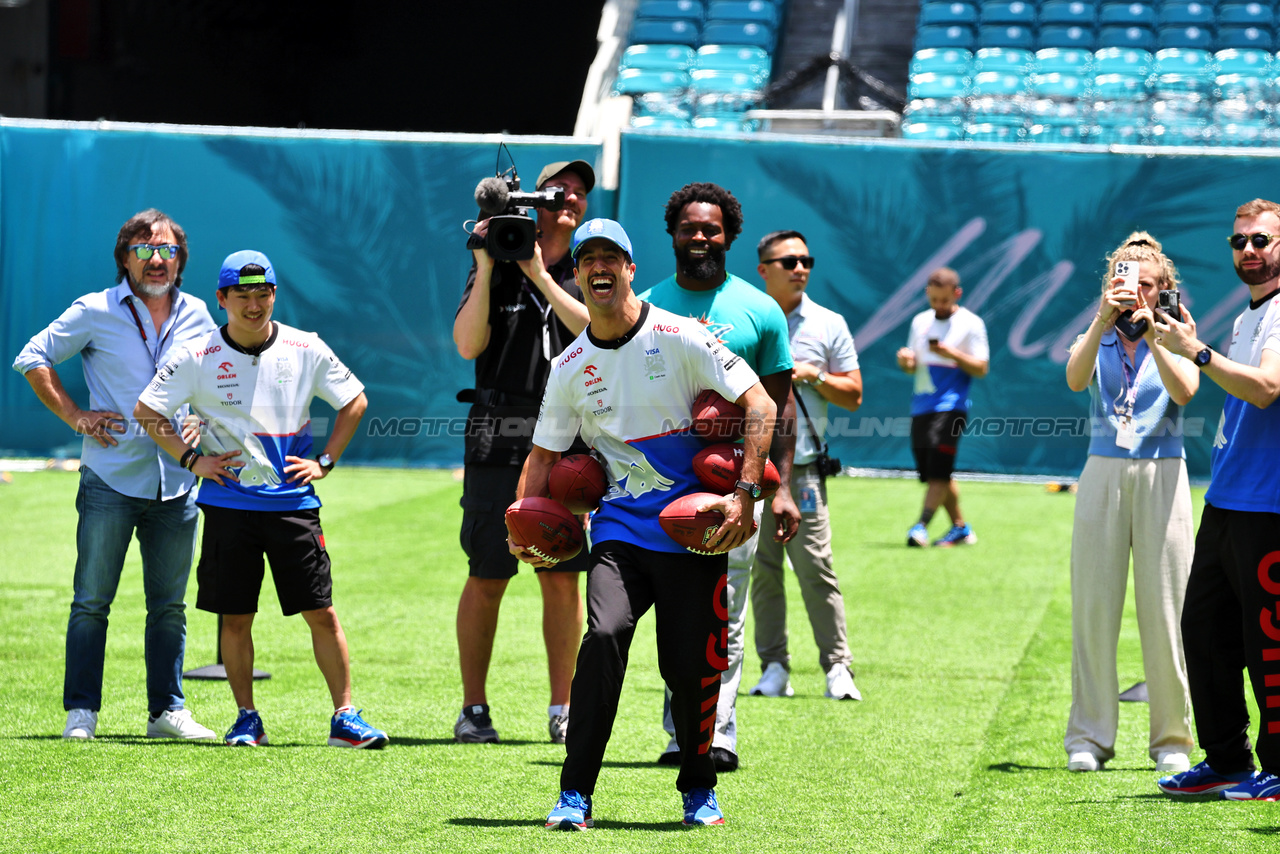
x=1128 y=270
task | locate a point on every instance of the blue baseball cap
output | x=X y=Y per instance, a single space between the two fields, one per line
x=230 y=276
x=605 y=229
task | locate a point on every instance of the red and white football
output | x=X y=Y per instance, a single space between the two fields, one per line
x=545 y=527
x=716 y=419
x=691 y=529
x=719 y=467
x=578 y=482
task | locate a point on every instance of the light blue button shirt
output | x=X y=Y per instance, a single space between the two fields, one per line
x=820 y=337
x=1156 y=418
x=118 y=365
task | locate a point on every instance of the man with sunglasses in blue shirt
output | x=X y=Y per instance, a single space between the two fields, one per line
x=1231 y=612
x=127 y=483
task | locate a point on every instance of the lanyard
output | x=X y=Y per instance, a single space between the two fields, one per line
x=545 y=310
x=1129 y=391
x=155 y=357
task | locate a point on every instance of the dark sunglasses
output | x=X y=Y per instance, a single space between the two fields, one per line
x=1260 y=240
x=789 y=262
x=143 y=251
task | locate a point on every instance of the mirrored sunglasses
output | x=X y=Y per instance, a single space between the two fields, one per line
x=143 y=251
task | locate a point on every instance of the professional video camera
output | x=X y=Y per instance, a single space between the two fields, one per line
x=512 y=231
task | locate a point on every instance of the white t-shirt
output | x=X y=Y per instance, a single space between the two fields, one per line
x=941 y=386
x=631 y=399
x=259 y=405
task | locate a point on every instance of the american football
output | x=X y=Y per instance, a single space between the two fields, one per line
x=719 y=467
x=716 y=419
x=691 y=529
x=545 y=527
x=578 y=481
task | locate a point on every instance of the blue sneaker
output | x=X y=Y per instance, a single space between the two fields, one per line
x=700 y=807
x=1264 y=787
x=918 y=536
x=959 y=535
x=571 y=812
x=1201 y=780
x=247 y=730
x=348 y=729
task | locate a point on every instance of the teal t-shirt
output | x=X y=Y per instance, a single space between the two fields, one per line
x=745 y=319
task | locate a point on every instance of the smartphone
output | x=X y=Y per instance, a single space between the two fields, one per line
x=1170 y=302
x=1128 y=270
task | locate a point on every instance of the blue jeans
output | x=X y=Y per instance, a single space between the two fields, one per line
x=167 y=537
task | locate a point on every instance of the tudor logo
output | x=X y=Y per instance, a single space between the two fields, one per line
x=225 y=366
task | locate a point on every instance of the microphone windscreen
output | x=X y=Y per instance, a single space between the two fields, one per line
x=492 y=195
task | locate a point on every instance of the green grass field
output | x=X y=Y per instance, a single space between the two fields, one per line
x=963 y=657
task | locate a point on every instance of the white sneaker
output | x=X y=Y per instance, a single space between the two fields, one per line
x=1173 y=763
x=840 y=684
x=774 y=682
x=1083 y=761
x=178 y=725
x=81 y=724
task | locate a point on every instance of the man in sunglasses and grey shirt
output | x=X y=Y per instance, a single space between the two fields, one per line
x=127 y=484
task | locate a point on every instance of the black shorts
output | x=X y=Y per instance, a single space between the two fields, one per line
x=231 y=566
x=934 y=439
x=487 y=492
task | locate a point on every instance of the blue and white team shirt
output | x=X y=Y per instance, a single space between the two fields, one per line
x=631 y=399
x=1246 y=461
x=819 y=336
x=941 y=386
x=259 y=405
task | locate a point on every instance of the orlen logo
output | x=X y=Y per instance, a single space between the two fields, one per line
x=573 y=354
x=225 y=366
x=215 y=348
x=590 y=370
x=662 y=327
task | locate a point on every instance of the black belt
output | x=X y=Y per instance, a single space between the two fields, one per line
x=494 y=397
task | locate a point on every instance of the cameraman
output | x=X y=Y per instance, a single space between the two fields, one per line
x=515 y=317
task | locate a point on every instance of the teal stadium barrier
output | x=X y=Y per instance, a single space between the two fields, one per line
x=366 y=233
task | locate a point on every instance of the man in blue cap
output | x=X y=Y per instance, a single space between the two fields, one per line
x=643 y=367
x=251 y=383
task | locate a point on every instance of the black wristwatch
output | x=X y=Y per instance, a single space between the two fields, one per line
x=325 y=461
x=752 y=489
x=1202 y=358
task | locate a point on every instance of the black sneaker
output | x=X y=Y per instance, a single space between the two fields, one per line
x=474 y=726
x=724 y=759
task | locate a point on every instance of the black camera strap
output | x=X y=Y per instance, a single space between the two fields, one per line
x=813 y=431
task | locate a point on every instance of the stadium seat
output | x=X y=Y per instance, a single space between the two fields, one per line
x=660 y=122
x=716 y=57
x=655 y=31
x=1259 y=38
x=751 y=11
x=954 y=36
x=723 y=124
x=932 y=86
x=671 y=10
x=1064 y=60
x=669 y=104
x=1017 y=12
x=1185 y=37
x=1186 y=13
x=738 y=32
x=1246 y=15
x=942 y=60
x=637 y=81
x=1243 y=61
x=987 y=131
x=998 y=83
x=1069 y=12
x=1243 y=134
x=1061 y=36
x=1183 y=70
x=741 y=83
x=933 y=129
x=658 y=57
x=1135 y=37
x=1113 y=60
x=1188 y=132
x=1006 y=35
x=948 y=13
x=1117 y=86
x=1057 y=130
x=1127 y=15
x=1058 y=85
x=1010 y=59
